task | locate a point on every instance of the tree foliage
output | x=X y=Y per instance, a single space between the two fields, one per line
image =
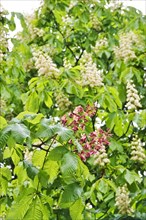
x=73 y=113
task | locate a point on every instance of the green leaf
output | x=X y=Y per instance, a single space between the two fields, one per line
x=111 y=120
x=57 y=153
x=52 y=169
x=140 y=119
x=3 y=122
x=74 y=89
x=131 y=176
x=30 y=117
x=38 y=158
x=32 y=103
x=102 y=186
x=69 y=165
x=16 y=157
x=34 y=212
x=48 y=100
x=129 y=72
x=18 y=131
x=31 y=170
x=71 y=193
x=118 y=127
x=43 y=178
x=115 y=146
x=76 y=210
x=110 y=104
x=5 y=177
x=4 y=136
x=115 y=95
x=63 y=133
x=22 y=20
x=19 y=209
x=7 y=153
x=47 y=130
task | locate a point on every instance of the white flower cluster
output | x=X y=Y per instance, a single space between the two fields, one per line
x=96 y=24
x=66 y=63
x=3 y=43
x=123 y=200
x=125 y=49
x=33 y=31
x=67 y=20
x=2 y=106
x=101 y=156
x=90 y=75
x=67 y=25
x=114 y=5
x=44 y=64
x=62 y=101
x=1 y=55
x=137 y=152
x=133 y=99
x=72 y=4
x=100 y=44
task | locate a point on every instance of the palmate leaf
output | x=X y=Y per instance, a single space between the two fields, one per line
x=69 y=166
x=35 y=211
x=46 y=130
x=32 y=103
x=76 y=210
x=30 y=117
x=51 y=168
x=38 y=158
x=20 y=207
x=72 y=192
x=3 y=138
x=57 y=153
x=18 y=131
x=82 y=172
x=63 y=133
x=5 y=177
x=3 y=122
x=31 y=170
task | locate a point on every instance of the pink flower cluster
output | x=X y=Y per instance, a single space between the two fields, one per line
x=78 y=117
x=80 y=122
x=92 y=143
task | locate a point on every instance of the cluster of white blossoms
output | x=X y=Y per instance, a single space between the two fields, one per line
x=67 y=20
x=137 y=153
x=67 y=25
x=72 y=4
x=114 y=5
x=96 y=24
x=133 y=99
x=62 y=101
x=90 y=75
x=3 y=42
x=101 y=156
x=123 y=200
x=67 y=64
x=100 y=44
x=2 y=106
x=125 y=49
x=44 y=64
x=33 y=31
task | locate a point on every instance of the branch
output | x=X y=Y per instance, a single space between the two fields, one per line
x=65 y=42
